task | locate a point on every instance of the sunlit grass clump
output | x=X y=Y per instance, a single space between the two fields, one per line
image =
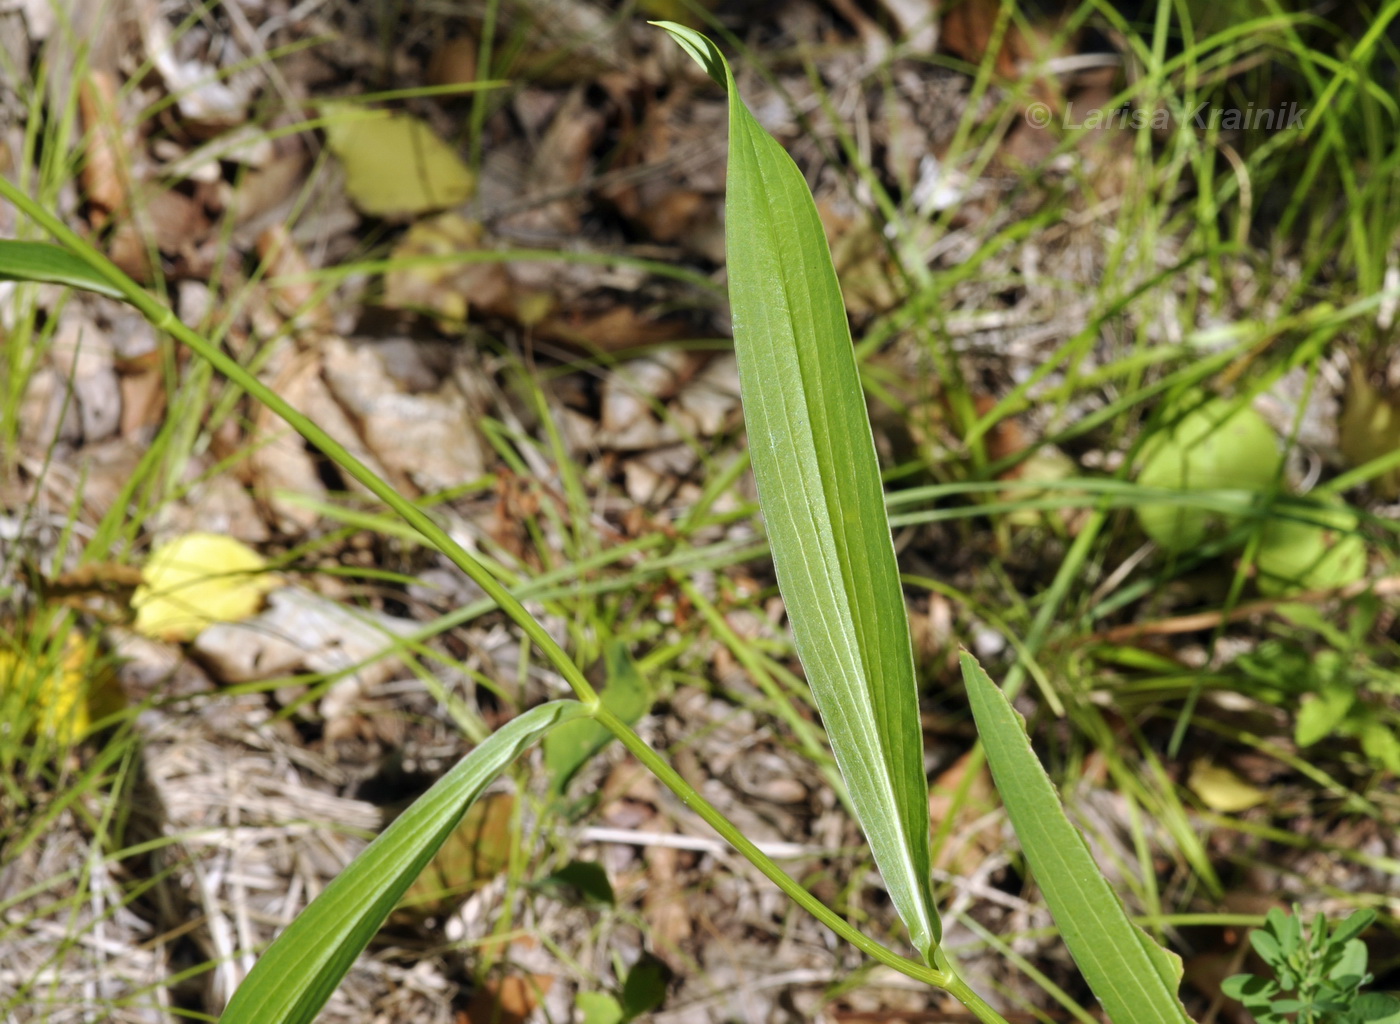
x=55 y=683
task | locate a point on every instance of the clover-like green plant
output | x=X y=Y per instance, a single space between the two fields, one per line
x=819 y=486
x=1318 y=974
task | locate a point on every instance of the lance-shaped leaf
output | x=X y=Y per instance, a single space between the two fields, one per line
x=52 y=264
x=819 y=488
x=1135 y=979
x=299 y=971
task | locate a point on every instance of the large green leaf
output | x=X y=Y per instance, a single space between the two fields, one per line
x=299 y=971
x=1135 y=979
x=819 y=488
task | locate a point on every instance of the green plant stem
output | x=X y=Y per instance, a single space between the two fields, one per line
x=963 y=993
x=673 y=781
x=163 y=319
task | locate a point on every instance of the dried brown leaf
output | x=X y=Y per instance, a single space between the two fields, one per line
x=968 y=29
x=103 y=175
x=294 y=294
x=973 y=835
x=454 y=62
x=430 y=438
x=511 y=1000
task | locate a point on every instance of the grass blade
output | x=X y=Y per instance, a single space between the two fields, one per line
x=294 y=978
x=50 y=264
x=819 y=488
x=1135 y=979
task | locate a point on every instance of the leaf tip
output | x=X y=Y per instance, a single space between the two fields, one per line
x=700 y=48
x=968 y=662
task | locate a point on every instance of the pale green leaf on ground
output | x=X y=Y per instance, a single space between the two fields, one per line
x=626 y=695
x=599 y=1008
x=819 y=488
x=298 y=973
x=1221 y=789
x=1134 y=978
x=1321 y=713
x=50 y=264
x=1380 y=744
x=1215 y=446
x=394 y=164
x=1310 y=546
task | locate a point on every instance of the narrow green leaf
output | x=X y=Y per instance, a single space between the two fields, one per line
x=819 y=488
x=1135 y=979
x=300 y=970
x=50 y=264
x=474 y=853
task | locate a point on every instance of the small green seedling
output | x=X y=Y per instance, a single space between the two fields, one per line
x=1317 y=976
x=643 y=991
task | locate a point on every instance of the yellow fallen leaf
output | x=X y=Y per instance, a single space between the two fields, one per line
x=1222 y=790
x=197 y=579
x=394 y=164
